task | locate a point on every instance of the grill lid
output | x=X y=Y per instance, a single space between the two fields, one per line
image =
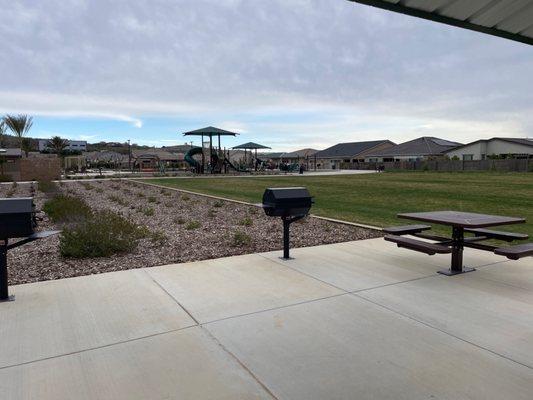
x=289 y=195
x=16 y=206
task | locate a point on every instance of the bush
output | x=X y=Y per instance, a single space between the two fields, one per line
x=117 y=199
x=104 y=234
x=152 y=199
x=218 y=204
x=62 y=208
x=179 y=221
x=149 y=211
x=241 y=239
x=192 y=225
x=5 y=178
x=87 y=185
x=246 y=222
x=47 y=187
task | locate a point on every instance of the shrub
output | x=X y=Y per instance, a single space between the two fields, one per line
x=99 y=190
x=246 y=222
x=211 y=214
x=140 y=195
x=185 y=197
x=192 y=225
x=241 y=239
x=47 y=186
x=5 y=178
x=179 y=221
x=148 y=211
x=218 y=204
x=63 y=208
x=152 y=199
x=158 y=237
x=117 y=199
x=87 y=185
x=104 y=234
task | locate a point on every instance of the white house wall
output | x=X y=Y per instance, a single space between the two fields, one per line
x=489 y=148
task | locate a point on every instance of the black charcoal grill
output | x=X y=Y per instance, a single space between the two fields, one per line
x=17 y=220
x=291 y=204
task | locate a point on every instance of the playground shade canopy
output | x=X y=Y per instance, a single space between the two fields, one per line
x=250 y=146
x=210 y=131
x=510 y=19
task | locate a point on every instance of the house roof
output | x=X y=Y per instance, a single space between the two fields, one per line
x=521 y=141
x=510 y=19
x=423 y=146
x=105 y=155
x=179 y=148
x=301 y=153
x=11 y=152
x=156 y=153
x=349 y=149
x=272 y=156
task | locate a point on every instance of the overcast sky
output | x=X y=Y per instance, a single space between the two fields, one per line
x=285 y=73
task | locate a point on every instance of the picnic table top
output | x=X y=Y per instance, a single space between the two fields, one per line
x=462 y=219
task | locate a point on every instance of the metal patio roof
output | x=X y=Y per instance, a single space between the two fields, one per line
x=510 y=19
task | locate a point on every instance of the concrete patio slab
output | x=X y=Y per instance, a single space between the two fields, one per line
x=370 y=263
x=52 y=318
x=516 y=273
x=493 y=315
x=290 y=329
x=348 y=348
x=353 y=268
x=226 y=287
x=187 y=364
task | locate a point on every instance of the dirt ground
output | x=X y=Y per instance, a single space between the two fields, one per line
x=184 y=227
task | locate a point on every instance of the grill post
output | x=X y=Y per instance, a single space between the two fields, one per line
x=4 y=291
x=286 y=226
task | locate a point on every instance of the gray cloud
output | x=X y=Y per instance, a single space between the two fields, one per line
x=165 y=57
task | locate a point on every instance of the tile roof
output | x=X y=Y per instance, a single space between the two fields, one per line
x=349 y=149
x=422 y=146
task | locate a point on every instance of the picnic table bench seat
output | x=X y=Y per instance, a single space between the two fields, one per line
x=418 y=245
x=406 y=229
x=500 y=235
x=516 y=252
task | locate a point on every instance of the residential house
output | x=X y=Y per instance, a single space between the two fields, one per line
x=72 y=145
x=422 y=148
x=344 y=154
x=303 y=156
x=497 y=147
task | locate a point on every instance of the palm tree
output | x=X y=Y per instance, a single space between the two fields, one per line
x=26 y=146
x=19 y=125
x=57 y=144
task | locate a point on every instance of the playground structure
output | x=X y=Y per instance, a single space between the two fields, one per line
x=211 y=159
x=215 y=161
x=252 y=146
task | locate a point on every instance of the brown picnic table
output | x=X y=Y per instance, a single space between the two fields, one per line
x=460 y=222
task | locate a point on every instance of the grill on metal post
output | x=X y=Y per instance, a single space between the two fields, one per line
x=291 y=204
x=17 y=220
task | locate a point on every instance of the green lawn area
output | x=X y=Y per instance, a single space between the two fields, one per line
x=376 y=198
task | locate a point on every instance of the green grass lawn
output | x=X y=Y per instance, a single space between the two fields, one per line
x=375 y=199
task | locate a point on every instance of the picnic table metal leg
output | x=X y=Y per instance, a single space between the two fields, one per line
x=4 y=292
x=458 y=237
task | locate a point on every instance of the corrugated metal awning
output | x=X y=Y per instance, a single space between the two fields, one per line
x=510 y=19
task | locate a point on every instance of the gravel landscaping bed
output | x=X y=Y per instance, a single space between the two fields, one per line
x=180 y=227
